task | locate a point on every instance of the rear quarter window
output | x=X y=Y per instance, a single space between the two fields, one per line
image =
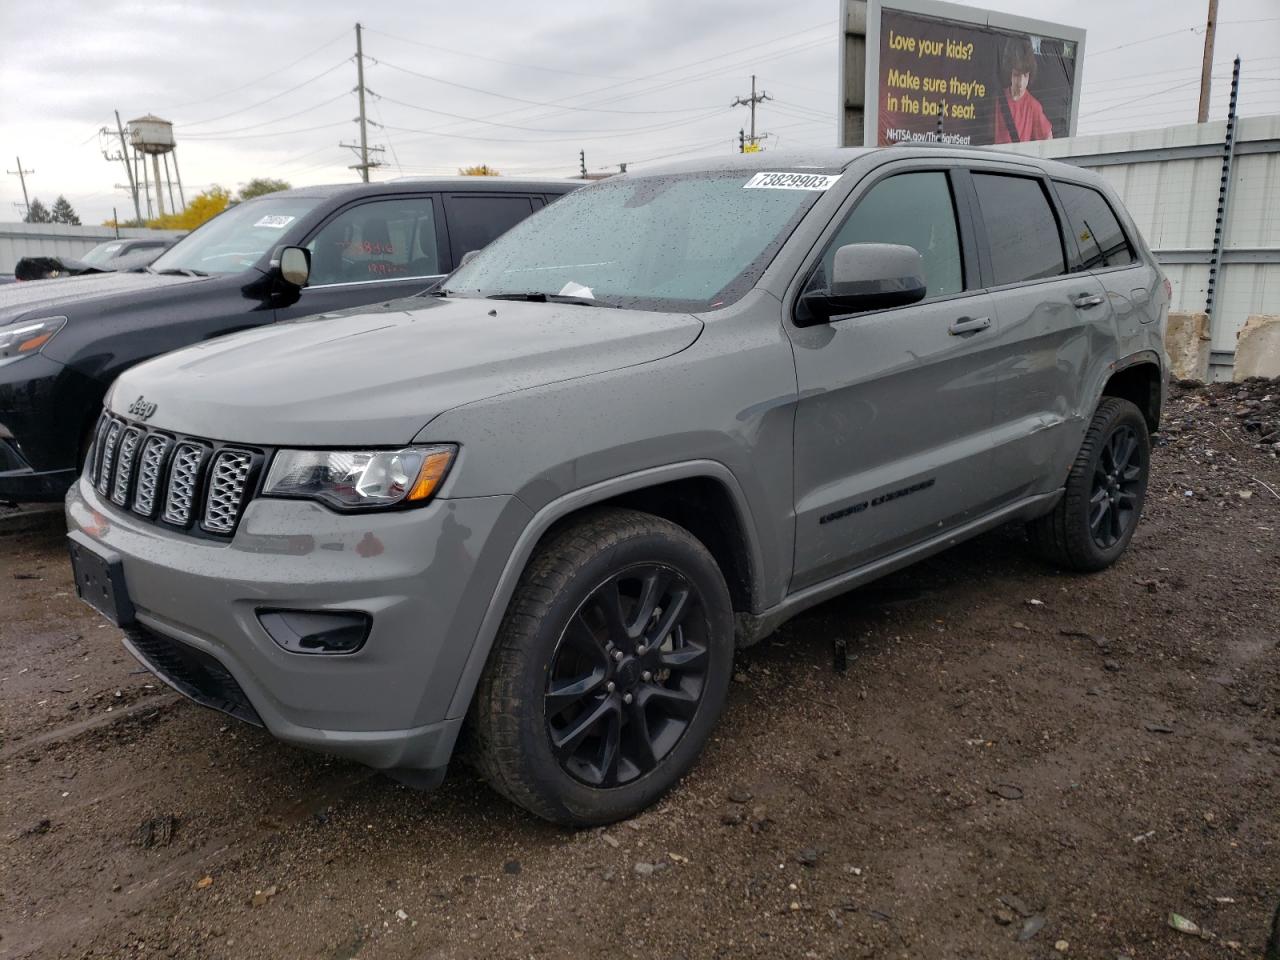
x=1097 y=229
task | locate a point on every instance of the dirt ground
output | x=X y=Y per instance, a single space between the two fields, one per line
x=1016 y=763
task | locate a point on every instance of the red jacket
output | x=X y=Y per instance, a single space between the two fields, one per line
x=1028 y=119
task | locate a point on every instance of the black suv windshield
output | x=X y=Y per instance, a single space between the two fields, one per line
x=235 y=239
x=102 y=252
x=684 y=242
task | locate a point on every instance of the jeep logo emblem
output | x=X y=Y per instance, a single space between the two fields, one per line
x=142 y=408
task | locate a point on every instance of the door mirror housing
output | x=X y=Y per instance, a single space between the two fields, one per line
x=294 y=264
x=869 y=276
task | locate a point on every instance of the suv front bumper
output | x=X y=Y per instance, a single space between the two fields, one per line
x=43 y=410
x=424 y=576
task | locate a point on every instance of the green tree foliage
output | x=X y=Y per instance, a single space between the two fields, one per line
x=37 y=212
x=260 y=186
x=63 y=212
x=479 y=170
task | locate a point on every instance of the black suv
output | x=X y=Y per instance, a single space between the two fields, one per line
x=62 y=344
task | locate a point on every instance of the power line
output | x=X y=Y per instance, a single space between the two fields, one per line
x=574 y=139
x=535 y=103
x=217 y=134
x=1133 y=43
x=260 y=103
x=560 y=107
x=509 y=63
x=1177 y=86
x=512 y=126
x=281 y=133
x=256 y=80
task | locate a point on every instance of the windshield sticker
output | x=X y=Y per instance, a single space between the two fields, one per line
x=572 y=289
x=791 y=181
x=275 y=221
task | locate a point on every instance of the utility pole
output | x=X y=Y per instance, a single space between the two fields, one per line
x=1206 y=66
x=751 y=102
x=363 y=148
x=124 y=157
x=22 y=175
x=582 y=163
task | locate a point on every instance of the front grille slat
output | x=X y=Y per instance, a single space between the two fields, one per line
x=201 y=486
x=109 y=442
x=151 y=463
x=124 y=465
x=184 y=480
x=228 y=477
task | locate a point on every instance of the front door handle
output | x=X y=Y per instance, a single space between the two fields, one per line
x=1083 y=301
x=968 y=325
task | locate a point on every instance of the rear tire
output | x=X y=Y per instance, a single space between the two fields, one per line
x=1100 y=507
x=583 y=716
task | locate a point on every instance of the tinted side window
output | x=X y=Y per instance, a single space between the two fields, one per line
x=476 y=221
x=912 y=209
x=380 y=240
x=1022 y=231
x=1098 y=233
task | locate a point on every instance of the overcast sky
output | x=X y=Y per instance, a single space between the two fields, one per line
x=261 y=89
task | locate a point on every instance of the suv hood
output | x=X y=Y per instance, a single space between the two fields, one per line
x=45 y=297
x=376 y=376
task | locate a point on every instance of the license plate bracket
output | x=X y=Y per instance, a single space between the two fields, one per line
x=100 y=579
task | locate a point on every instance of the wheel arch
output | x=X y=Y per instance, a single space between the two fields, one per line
x=1139 y=379
x=675 y=492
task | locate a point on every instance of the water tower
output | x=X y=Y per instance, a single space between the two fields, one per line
x=153 y=137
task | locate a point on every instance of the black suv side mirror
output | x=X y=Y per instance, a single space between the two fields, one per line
x=869 y=276
x=293 y=264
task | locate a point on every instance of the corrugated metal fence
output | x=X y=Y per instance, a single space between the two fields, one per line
x=18 y=240
x=1169 y=180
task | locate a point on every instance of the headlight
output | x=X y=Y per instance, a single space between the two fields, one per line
x=349 y=479
x=27 y=337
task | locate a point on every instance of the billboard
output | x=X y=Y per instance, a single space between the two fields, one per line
x=938 y=71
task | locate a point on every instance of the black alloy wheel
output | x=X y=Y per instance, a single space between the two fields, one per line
x=627 y=675
x=1095 y=516
x=609 y=671
x=1117 y=488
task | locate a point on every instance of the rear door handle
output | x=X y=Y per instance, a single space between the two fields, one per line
x=1083 y=301
x=968 y=325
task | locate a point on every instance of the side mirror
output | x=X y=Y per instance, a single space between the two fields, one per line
x=869 y=276
x=294 y=264
x=468 y=257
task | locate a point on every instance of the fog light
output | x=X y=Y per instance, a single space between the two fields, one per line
x=316 y=631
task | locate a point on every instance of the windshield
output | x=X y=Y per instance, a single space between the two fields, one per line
x=684 y=242
x=235 y=239
x=102 y=252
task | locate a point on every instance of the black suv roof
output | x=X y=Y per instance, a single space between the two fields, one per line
x=452 y=184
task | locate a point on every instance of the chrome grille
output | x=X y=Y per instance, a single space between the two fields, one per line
x=124 y=465
x=108 y=454
x=227 y=481
x=200 y=485
x=149 y=463
x=184 y=475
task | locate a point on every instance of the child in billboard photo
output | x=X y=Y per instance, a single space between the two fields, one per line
x=1018 y=115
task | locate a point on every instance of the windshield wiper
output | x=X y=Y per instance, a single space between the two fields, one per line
x=536 y=297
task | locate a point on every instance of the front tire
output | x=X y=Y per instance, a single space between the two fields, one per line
x=609 y=671
x=1100 y=507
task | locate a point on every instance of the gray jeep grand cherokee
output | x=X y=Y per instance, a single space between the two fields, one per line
x=647 y=425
